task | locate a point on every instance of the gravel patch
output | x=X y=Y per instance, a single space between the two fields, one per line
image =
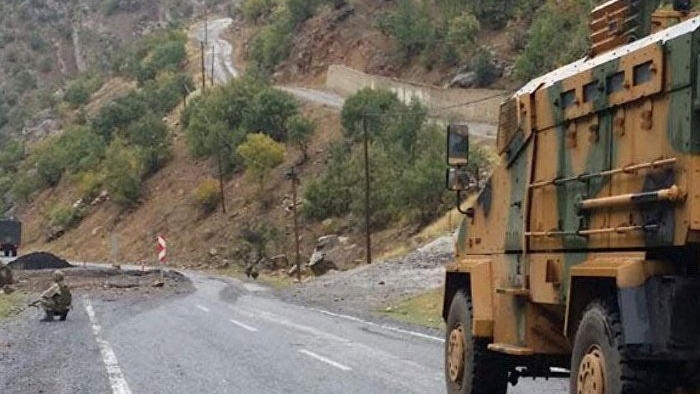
x=370 y=288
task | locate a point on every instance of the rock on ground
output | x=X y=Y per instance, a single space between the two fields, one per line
x=369 y=288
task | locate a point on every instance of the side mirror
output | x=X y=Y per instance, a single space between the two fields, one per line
x=458 y=179
x=457 y=144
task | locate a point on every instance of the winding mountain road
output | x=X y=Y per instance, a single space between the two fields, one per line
x=224 y=69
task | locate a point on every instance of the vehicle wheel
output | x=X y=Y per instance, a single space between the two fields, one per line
x=470 y=368
x=7 y=253
x=63 y=316
x=599 y=361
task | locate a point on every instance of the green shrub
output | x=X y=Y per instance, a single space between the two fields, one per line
x=300 y=131
x=118 y=115
x=269 y=112
x=220 y=121
x=422 y=185
x=330 y=195
x=260 y=154
x=462 y=31
x=208 y=195
x=78 y=91
x=254 y=10
x=80 y=149
x=557 y=36
x=49 y=163
x=271 y=45
x=66 y=216
x=89 y=184
x=370 y=106
x=482 y=64
x=122 y=174
x=26 y=183
x=494 y=13
x=411 y=25
x=154 y=140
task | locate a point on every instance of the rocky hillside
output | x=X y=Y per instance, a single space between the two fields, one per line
x=107 y=89
x=46 y=43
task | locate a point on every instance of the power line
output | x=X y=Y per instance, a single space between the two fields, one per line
x=436 y=109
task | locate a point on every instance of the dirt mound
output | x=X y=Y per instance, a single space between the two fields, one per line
x=38 y=261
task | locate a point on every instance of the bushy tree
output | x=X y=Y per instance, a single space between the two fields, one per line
x=154 y=141
x=208 y=195
x=462 y=31
x=493 y=13
x=300 y=130
x=49 y=163
x=269 y=112
x=260 y=154
x=80 y=149
x=557 y=36
x=370 y=106
x=411 y=25
x=220 y=121
x=384 y=172
x=330 y=195
x=123 y=170
x=423 y=184
x=271 y=45
x=254 y=10
x=118 y=115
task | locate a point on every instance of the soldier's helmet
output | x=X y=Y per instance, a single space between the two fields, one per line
x=58 y=276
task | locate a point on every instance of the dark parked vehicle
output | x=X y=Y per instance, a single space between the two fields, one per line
x=10 y=236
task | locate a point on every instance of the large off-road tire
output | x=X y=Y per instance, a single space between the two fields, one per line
x=599 y=360
x=470 y=368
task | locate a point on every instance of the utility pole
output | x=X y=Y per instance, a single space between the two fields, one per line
x=204 y=77
x=213 y=47
x=293 y=176
x=368 y=241
x=221 y=183
x=221 y=171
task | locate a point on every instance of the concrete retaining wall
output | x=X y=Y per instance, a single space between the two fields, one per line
x=484 y=105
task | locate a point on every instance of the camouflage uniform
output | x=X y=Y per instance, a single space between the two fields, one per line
x=56 y=300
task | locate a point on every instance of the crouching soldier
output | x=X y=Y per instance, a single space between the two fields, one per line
x=56 y=300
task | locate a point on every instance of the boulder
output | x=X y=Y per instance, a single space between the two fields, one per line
x=331 y=253
x=465 y=80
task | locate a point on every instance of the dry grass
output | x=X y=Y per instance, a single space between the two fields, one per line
x=10 y=303
x=445 y=225
x=424 y=309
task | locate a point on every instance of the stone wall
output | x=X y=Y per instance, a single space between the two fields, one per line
x=441 y=102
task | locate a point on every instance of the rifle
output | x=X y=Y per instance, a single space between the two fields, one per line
x=34 y=304
x=20 y=309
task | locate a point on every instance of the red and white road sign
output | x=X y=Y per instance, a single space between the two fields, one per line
x=161 y=248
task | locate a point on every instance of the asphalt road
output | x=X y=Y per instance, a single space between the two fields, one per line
x=226 y=337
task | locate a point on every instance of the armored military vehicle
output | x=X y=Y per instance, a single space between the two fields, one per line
x=582 y=250
x=10 y=236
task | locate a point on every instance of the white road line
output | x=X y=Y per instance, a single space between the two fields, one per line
x=382 y=326
x=114 y=373
x=317 y=333
x=325 y=360
x=242 y=325
x=204 y=308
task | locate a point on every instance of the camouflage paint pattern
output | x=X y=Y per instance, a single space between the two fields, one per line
x=589 y=155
